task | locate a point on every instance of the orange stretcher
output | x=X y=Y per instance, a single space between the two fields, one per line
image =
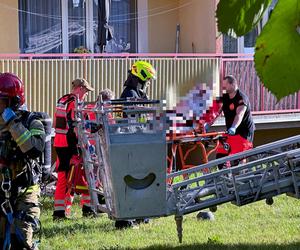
x=180 y=148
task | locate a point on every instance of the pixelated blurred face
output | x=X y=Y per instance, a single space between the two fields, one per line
x=3 y=104
x=229 y=87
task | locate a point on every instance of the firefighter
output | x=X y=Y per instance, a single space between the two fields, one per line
x=65 y=143
x=138 y=80
x=21 y=143
x=136 y=84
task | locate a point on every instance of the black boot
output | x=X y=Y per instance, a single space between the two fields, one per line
x=144 y=220
x=88 y=211
x=122 y=224
x=59 y=215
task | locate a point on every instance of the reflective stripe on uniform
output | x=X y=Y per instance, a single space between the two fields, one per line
x=79 y=187
x=35 y=131
x=61 y=131
x=71 y=174
x=23 y=138
x=60 y=112
x=33 y=188
x=59 y=202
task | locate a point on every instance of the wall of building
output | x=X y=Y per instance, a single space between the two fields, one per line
x=9 y=26
x=196 y=19
x=162 y=21
x=197 y=26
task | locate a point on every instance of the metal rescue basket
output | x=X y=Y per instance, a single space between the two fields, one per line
x=130 y=151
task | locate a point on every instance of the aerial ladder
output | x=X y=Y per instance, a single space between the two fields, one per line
x=128 y=165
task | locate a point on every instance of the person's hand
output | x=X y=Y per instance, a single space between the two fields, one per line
x=231 y=131
x=206 y=127
x=8 y=115
x=94 y=127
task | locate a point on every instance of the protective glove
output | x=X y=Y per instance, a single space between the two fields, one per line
x=206 y=127
x=92 y=126
x=8 y=115
x=92 y=149
x=231 y=131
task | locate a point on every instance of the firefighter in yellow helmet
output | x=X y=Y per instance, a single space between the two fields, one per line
x=139 y=77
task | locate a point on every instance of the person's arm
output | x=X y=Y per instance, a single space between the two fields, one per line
x=211 y=118
x=240 y=111
x=32 y=140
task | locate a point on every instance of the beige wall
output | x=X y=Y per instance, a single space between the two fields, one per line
x=197 y=25
x=163 y=18
x=9 y=26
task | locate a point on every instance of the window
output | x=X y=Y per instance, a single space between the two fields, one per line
x=60 y=26
x=40 y=26
x=123 y=21
x=76 y=25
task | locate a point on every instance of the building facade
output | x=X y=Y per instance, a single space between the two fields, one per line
x=138 y=26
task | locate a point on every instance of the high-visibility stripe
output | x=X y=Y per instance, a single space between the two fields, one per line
x=61 y=131
x=23 y=138
x=33 y=188
x=62 y=113
x=37 y=131
x=79 y=187
x=59 y=208
x=59 y=202
x=71 y=173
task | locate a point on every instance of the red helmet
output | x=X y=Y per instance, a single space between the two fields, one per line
x=12 y=88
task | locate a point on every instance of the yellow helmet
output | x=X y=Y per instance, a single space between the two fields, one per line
x=143 y=70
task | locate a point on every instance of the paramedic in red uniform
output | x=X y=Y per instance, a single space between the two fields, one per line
x=238 y=118
x=65 y=143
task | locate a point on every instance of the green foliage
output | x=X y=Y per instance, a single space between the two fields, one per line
x=277 y=55
x=236 y=17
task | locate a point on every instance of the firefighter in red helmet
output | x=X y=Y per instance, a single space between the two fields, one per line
x=22 y=141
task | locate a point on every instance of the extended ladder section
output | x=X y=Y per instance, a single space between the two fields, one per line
x=270 y=170
x=267 y=171
x=125 y=159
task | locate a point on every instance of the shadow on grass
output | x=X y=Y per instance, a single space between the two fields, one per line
x=214 y=246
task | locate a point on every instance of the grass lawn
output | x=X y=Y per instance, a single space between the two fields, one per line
x=255 y=226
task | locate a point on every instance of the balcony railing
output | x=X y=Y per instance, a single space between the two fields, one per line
x=48 y=76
